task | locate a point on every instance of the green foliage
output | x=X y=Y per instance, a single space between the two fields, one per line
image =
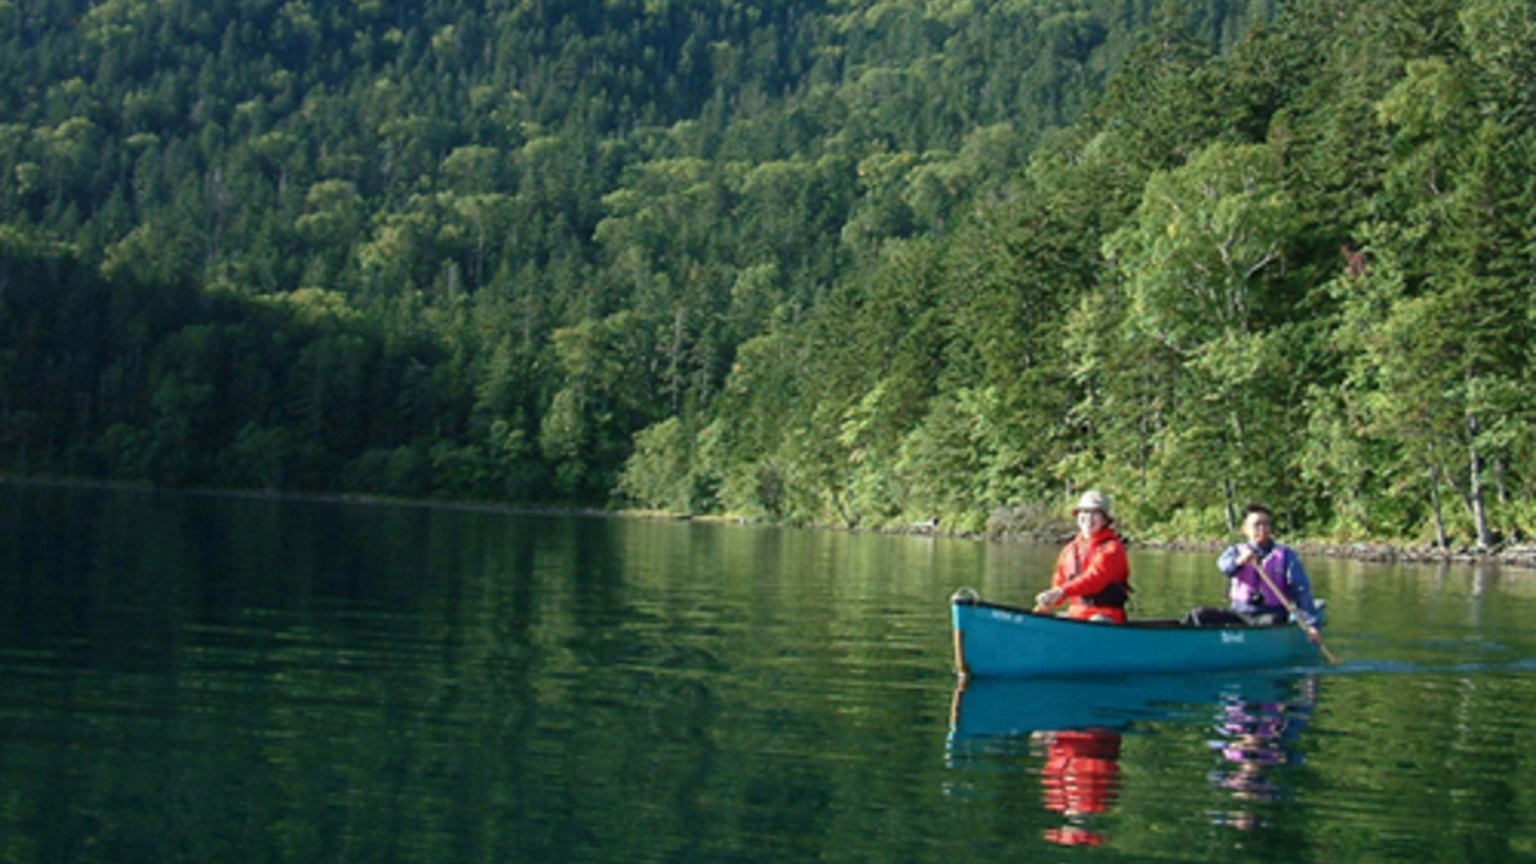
x=871 y=264
x=659 y=475
x=362 y=236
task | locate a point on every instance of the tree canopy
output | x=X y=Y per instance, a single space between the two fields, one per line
x=868 y=262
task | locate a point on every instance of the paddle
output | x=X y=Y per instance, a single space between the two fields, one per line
x=1285 y=600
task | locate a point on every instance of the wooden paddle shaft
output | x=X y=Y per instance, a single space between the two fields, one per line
x=1290 y=608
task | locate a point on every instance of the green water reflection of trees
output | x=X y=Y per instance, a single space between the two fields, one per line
x=204 y=678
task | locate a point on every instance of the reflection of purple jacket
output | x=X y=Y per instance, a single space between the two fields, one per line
x=1250 y=594
x=1264 y=720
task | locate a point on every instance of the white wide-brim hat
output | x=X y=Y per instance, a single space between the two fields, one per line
x=1093 y=499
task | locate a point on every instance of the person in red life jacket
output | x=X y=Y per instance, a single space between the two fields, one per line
x=1255 y=596
x=1080 y=777
x=1092 y=571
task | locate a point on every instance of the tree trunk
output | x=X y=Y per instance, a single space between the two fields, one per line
x=1475 y=495
x=675 y=357
x=1232 y=478
x=1434 y=497
x=1231 y=507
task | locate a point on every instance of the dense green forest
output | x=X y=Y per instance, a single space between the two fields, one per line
x=864 y=262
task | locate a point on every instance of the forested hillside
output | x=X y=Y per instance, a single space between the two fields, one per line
x=1300 y=271
x=468 y=248
x=855 y=262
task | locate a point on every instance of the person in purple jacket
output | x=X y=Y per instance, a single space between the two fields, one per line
x=1253 y=595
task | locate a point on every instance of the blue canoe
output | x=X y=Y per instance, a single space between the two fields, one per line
x=994 y=640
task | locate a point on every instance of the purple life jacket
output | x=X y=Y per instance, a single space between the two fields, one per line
x=1248 y=590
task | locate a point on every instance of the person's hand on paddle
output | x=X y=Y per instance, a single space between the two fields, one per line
x=1250 y=555
x=1049 y=599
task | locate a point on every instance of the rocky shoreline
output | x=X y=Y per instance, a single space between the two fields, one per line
x=1384 y=553
x=1508 y=555
x=1036 y=525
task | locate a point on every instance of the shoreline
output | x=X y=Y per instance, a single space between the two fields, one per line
x=1512 y=555
x=1521 y=556
x=1375 y=552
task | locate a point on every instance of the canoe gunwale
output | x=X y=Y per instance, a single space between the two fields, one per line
x=1132 y=624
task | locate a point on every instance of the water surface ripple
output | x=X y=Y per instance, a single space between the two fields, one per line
x=196 y=677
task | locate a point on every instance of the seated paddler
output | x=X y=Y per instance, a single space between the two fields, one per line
x=1092 y=571
x=1266 y=579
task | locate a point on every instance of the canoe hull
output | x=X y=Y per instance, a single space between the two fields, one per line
x=994 y=640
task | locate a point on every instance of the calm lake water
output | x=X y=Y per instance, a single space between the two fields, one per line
x=222 y=679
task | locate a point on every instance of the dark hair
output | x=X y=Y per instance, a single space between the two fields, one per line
x=1256 y=507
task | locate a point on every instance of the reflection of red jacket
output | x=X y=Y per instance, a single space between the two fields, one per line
x=1082 y=772
x=1086 y=567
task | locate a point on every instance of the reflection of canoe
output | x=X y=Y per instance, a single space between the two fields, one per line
x=1004 y=707
x=995 y=640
